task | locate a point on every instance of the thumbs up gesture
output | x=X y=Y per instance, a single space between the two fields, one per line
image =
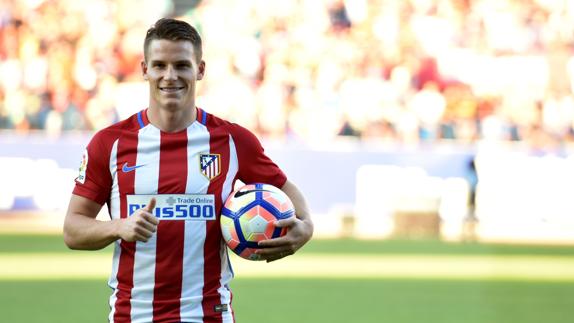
x=141 y=225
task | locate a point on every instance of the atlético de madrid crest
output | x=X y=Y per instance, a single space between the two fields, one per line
x=210 y=165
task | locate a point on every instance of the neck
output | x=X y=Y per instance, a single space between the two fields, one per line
x=171 y=120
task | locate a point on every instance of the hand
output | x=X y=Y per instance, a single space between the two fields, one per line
x=140 y=226
x=298 y=233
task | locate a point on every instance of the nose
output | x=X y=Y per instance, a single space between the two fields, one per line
x=170 y=73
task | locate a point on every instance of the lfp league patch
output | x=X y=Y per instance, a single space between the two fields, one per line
x=82 y=170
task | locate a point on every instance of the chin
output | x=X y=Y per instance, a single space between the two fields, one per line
x=173 y=105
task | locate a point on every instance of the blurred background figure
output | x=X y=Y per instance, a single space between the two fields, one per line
x=408 y=71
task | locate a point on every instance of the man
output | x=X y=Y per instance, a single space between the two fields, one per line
x=172 y=270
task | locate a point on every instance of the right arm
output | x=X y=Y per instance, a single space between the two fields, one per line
x=83 y=231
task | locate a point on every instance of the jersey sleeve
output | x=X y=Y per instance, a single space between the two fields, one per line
x=254 y=165
x=94 y=180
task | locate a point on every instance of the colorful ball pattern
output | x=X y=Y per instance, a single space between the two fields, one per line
x=248 y=214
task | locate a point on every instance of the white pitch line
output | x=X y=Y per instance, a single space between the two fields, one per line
x=83 y=265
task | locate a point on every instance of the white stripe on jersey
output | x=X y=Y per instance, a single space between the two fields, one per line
x=226 y=270
x=114 y=214
x=145 y=182
x=115 y=192
x=194 y=240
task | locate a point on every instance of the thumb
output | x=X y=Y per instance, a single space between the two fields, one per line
x=150 y=206
x=285 y=222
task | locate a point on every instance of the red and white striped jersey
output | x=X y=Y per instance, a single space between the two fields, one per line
x=182 y=273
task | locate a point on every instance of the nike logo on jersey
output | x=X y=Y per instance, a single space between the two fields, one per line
x=127 y=169
x=241 y=193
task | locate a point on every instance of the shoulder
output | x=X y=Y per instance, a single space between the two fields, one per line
x=106 y=137
x=216 y=124
x=212 y=121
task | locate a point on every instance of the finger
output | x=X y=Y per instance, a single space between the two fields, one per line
x=290 y=221
x=150 y=218
x=274 y=257
x=150 y=206
x=143 y=232
x=148 y=223
x=139 y=237
x=277 y=242
x=270 y=258
x=274 y=251
x=142 y=238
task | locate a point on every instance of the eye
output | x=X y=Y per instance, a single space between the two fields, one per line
x=183 y=66
x=158 y=65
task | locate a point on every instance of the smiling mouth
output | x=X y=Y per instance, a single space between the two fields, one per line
x=171 y=89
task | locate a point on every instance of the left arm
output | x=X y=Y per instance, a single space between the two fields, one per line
x=299 y=228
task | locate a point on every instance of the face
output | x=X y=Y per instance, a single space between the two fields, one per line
x=172 y=71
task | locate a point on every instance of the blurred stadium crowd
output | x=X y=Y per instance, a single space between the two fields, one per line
x=381 y=70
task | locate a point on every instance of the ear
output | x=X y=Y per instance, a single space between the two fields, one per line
x=200 y=70
x=144 y=70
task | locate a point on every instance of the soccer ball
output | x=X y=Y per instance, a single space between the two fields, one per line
x=248 y=215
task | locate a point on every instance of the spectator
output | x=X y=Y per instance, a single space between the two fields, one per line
x=291 y=60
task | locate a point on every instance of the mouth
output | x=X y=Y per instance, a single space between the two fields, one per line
x=171 y=89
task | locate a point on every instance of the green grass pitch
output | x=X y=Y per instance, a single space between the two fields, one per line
x=307 y=299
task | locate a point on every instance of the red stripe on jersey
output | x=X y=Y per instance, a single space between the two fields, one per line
x=144 y=117
x=126 y=153
x=170 y=234
x=218 y=144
